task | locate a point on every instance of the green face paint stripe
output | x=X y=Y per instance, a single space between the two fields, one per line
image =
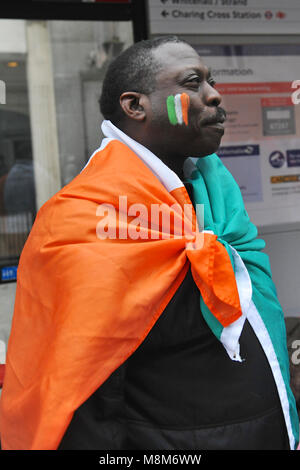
x=171 y=110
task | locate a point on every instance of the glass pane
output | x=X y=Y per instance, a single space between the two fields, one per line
x=51 y=75
x=50 y=81
x=17 y=187
x=81 y=51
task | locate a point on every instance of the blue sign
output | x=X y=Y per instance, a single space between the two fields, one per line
x=238 y=151
x=276 y=159
x=9 y=273
x=293 y=157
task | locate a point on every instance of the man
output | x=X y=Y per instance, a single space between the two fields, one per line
x=136 y=335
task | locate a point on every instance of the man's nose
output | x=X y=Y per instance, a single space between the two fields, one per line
x=211 y=96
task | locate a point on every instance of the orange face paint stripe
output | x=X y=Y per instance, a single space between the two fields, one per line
x=185 y=103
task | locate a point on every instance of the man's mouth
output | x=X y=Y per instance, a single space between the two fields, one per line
x=216 y=121
x=215 y=125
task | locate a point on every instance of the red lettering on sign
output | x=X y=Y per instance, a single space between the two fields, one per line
x=254 y=88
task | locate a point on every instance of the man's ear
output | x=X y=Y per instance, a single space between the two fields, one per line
x=133 y=105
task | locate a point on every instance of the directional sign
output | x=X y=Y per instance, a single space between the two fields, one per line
x=224 y=16
x=84 y=1
x=8 y=273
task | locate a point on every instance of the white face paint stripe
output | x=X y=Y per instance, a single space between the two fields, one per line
x=178 y=109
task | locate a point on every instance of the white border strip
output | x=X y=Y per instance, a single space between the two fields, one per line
x=165 y=175
x=262 y=334
x=231 y=334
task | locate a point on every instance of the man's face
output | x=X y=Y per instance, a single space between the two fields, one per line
x=183 y=72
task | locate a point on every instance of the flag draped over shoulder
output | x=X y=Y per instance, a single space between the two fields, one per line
x=84 y=304
x=86 y=301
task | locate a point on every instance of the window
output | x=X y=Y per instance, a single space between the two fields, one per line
x=50 y=74
x=17 y=187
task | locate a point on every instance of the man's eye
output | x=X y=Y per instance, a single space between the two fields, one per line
x=211 y=81
x=194 y=79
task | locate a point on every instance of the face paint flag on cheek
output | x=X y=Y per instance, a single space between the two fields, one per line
x=177 y=107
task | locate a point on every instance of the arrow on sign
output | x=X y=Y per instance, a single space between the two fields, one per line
x=165 y=13
x=280 y=14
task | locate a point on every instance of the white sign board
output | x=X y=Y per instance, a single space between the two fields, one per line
x=261 y=145
x=12 y=37
x=224 y=16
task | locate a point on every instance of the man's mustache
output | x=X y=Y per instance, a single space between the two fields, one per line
x=220 y=116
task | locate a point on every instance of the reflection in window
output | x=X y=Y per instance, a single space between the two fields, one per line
x=17 y=189
x=38 y=58
x=81 y=52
